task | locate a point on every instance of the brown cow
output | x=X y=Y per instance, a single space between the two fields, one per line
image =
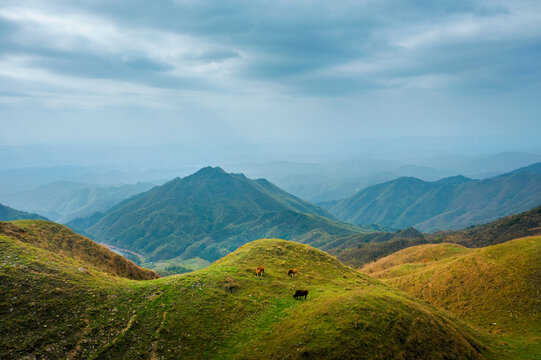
x=300 y=294
x=260 y=270
x=293 y=272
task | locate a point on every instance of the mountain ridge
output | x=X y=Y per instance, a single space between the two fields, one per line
x=7 y=214
x=207 y=215
x=59 y=239
x=357 y=250
x=447 y=204
x=63 y=201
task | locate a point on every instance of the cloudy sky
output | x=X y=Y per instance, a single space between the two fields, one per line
x=248 y=71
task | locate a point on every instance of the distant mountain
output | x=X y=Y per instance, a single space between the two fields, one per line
x=324 y=189
x=336 y=180
x=534 y=169
x=9 y=214
x=207 y=215
x=64 y=201
x=527 y=223
x=480 y=167
x=323 y=182
x=448 y=204
x=359 y=249
x=28 y=178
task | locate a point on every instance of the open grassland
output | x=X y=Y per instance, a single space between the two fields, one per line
x=61 y=240
x=497 y=288
x=51 y=309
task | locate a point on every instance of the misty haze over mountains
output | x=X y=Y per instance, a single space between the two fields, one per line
x=313 y=175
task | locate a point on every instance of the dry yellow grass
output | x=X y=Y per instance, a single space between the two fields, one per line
x=497 y=287
x=62 y=240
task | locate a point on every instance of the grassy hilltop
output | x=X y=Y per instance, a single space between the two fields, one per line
x=61 y=240
x=51 y=309
x=496 y=287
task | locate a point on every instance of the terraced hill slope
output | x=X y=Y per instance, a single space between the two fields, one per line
x=61 y=240
x=207 y=215
x=49 y=309
x=495 y=287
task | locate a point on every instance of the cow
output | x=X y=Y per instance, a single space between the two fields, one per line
x=300 y=294
x=293 y=272
x=260 y=270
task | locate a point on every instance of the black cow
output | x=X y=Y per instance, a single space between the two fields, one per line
x=300 y=294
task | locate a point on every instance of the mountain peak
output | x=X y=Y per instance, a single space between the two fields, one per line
x=533 y=169
x=209 y=214
x=453 y=180
x=209 y=170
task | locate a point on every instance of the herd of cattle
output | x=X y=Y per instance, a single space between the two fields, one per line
x=260 y=270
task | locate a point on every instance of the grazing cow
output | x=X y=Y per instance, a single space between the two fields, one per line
x=260 y=270
x=300 y=294
x=293 y=272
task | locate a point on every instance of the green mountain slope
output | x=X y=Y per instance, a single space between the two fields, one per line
x=61 y=240
x=357 y=250
x=495 y=287
x=8 y=214
x=64 y=201
x=527 y=223
x=52 y=310
x=447 y=204
x=207 y=215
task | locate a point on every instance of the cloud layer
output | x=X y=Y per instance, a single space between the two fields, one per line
x=274 y=69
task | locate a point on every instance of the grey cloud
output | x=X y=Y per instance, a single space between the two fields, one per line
x=243 y=63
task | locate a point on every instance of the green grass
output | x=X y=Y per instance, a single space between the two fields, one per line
x=61 y=240
x=50 y=309
x=495 y=288
x=176 y=265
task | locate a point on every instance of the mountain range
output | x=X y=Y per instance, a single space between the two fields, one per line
x=447 y=204
x=360 y=249
x=207 y=215
x=321 y=182
x=63 y=201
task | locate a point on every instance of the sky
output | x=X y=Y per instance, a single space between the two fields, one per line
x=196 y=72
